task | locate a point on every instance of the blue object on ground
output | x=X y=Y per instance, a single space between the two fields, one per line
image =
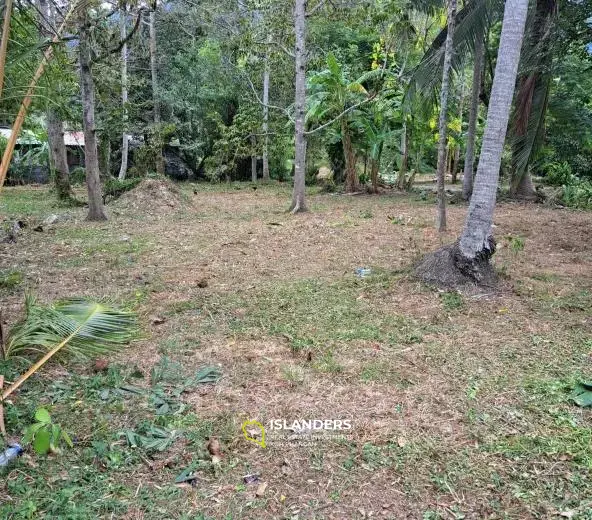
x=9 y=454
x=363 y=272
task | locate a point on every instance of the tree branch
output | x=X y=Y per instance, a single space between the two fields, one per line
x=123 y=41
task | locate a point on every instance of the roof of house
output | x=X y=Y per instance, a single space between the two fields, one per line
x=70 y=138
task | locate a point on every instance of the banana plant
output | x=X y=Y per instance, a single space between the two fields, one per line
x=335 y=97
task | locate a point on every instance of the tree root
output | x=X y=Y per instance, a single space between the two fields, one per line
x=449 y=268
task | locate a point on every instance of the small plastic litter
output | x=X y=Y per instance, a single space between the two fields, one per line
x=363 y=272
x=9 y=454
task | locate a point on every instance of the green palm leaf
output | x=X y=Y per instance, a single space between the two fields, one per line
x=79 y=327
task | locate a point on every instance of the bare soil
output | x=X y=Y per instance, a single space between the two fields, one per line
x=459 y=403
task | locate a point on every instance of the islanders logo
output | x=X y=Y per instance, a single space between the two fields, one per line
x=254 y=431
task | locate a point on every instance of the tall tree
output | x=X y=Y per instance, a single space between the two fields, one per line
x=96 y=209
x=55 y=125
x=473 y=119
x=298 y=195
x=124 y=92
x=468 y=260
x=266 y=112
x=532 y=99
x=443 y=122
x=155 y=94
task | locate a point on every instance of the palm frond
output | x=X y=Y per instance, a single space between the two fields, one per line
x=471 y=23
x=79 y=327
x=529 y=135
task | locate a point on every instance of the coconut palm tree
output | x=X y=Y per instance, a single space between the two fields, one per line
x=468 y=259
x=443 y=122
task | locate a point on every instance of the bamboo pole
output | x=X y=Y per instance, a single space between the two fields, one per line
x=20 y=118
x=4 y=43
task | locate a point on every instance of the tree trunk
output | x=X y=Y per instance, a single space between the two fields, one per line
x=124 y=58
x=531 y=101
x=155 y=97
x=456 y=158
x=55 y=126
x=298 y=196
x=96 y=210
x=473 y=118
x=104 y=145
x=468 y=260
x=401 y=179
x=442 y=127
x=455 y=161
x=253 y=159
x=352 y=183
x=374 y=168
x=266 y=117
x=58 y=155
x=475 y=239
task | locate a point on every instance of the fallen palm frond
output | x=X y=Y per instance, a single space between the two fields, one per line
x=80 y=327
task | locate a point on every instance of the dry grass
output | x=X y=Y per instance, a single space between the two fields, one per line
x=459 y=403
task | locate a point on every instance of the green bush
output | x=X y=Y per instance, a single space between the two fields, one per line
x=114 y=188
x=578 y=194
x=78 y=175
x=559 y=174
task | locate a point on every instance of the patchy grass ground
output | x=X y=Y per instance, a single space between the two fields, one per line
x=460 y=405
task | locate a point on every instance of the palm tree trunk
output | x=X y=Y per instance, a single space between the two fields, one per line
x=124 y=95
x=266 y=117
x=473 y=117
x=467 y=261
x=352 y=183
x=96 y=210
x=476 y=241
x=155 y=97
x=442 y=127
x=298 y=195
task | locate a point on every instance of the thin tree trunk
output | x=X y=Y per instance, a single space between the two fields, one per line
x=456 y=159
x=96 y=210
x=298 y=196
x=442 y=127
x=266 y=117
x=374 y=168
x=473 y=117
x=58 y=155
x=476 y=241
x=155 y=97
x=124 y=94
x=253 y=159
x=404 y=158
x=352 y=183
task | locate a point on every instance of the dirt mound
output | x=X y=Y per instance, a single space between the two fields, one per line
x=151 y=196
